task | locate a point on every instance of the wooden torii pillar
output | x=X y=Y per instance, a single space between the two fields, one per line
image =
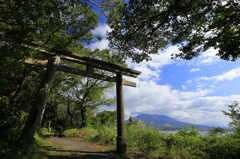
x=121 y=137
x=26 y=139
x=53 y=65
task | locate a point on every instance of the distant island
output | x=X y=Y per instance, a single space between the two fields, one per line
x=163 y=122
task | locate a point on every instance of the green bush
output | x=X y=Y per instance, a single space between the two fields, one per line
x=81 y=133
x=192 y=132
x=43 y=131
x=207 y=147
x=185 y=144
x=222 y=147
x=145 y=139
x=106 y=135
x=9 y=151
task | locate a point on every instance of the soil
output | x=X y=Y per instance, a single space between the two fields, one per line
x=74 y=148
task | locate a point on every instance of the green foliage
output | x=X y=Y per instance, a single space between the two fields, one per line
x=221 y=147
x=103 y=135
x=106 y=135
x=105 y=118
x=132 y=121
x=145 y=27
x=217 y=131
x=234 y=114
x=9 y=151
x=74 y=99
x=182 y=146
x=43 y=131
x=56 y=24
x=192 y=132
x=85 y=132
x=187 y=145
x=145 y=139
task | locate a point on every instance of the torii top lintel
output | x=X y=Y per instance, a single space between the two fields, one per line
x=77 y=58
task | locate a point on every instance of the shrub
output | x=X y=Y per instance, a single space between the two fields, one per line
x=9 y=151
x=145 y=139
x=81 y=133
x=222 y=147
x=192 y=132
x=106 y=135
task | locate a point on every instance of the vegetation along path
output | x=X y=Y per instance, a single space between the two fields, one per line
x=74 y=148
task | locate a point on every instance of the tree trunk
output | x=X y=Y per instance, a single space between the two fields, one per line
x=69 y=113
x=84 y=117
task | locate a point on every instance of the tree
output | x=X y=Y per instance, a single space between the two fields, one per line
x=54 y=23
x=105 y=118
x=74 y=98
x=216 y=131
x=90 y=93
x=147 y=26
x=16 y=97
x=234 y=114
x=132 y=121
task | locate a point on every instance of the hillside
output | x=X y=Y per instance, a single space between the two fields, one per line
x=163 y=122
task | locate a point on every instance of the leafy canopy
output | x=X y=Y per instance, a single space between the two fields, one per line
x=55 y=23
x=149 y=25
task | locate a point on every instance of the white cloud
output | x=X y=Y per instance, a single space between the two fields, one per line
x=232 y=74
x=194 y=70
x=208 y=61
x=191 y=95
x=206 y=58
x=103 y=44
x=101 y=30
x=184 y=87
x=209 y=53
x=209 y=57
x=150 y=97
x=158 y=60
x=151 y=69
x=192 y=107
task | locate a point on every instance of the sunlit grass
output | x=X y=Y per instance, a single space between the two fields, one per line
x=187 y=144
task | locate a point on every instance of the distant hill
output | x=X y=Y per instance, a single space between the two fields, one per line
x=163 y=122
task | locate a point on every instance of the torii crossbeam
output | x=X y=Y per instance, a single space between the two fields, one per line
x=53 y=65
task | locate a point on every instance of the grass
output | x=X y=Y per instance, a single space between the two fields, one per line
x=9 y=151
x=185 y=144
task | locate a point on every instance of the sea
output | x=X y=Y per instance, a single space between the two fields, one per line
x=202 y=133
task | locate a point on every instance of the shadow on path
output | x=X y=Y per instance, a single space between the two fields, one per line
x=74 y=148
x=70 y=148
x=77 y=155
x=68 y=154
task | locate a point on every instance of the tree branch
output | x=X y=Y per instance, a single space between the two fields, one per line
x=100 y=6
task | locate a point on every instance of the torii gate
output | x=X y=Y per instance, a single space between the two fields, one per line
x=53 y=65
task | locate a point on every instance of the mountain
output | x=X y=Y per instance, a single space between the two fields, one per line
x=163 y=122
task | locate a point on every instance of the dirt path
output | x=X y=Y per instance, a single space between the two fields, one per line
x=72 y=148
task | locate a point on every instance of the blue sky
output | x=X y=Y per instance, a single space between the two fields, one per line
x=194 y=91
